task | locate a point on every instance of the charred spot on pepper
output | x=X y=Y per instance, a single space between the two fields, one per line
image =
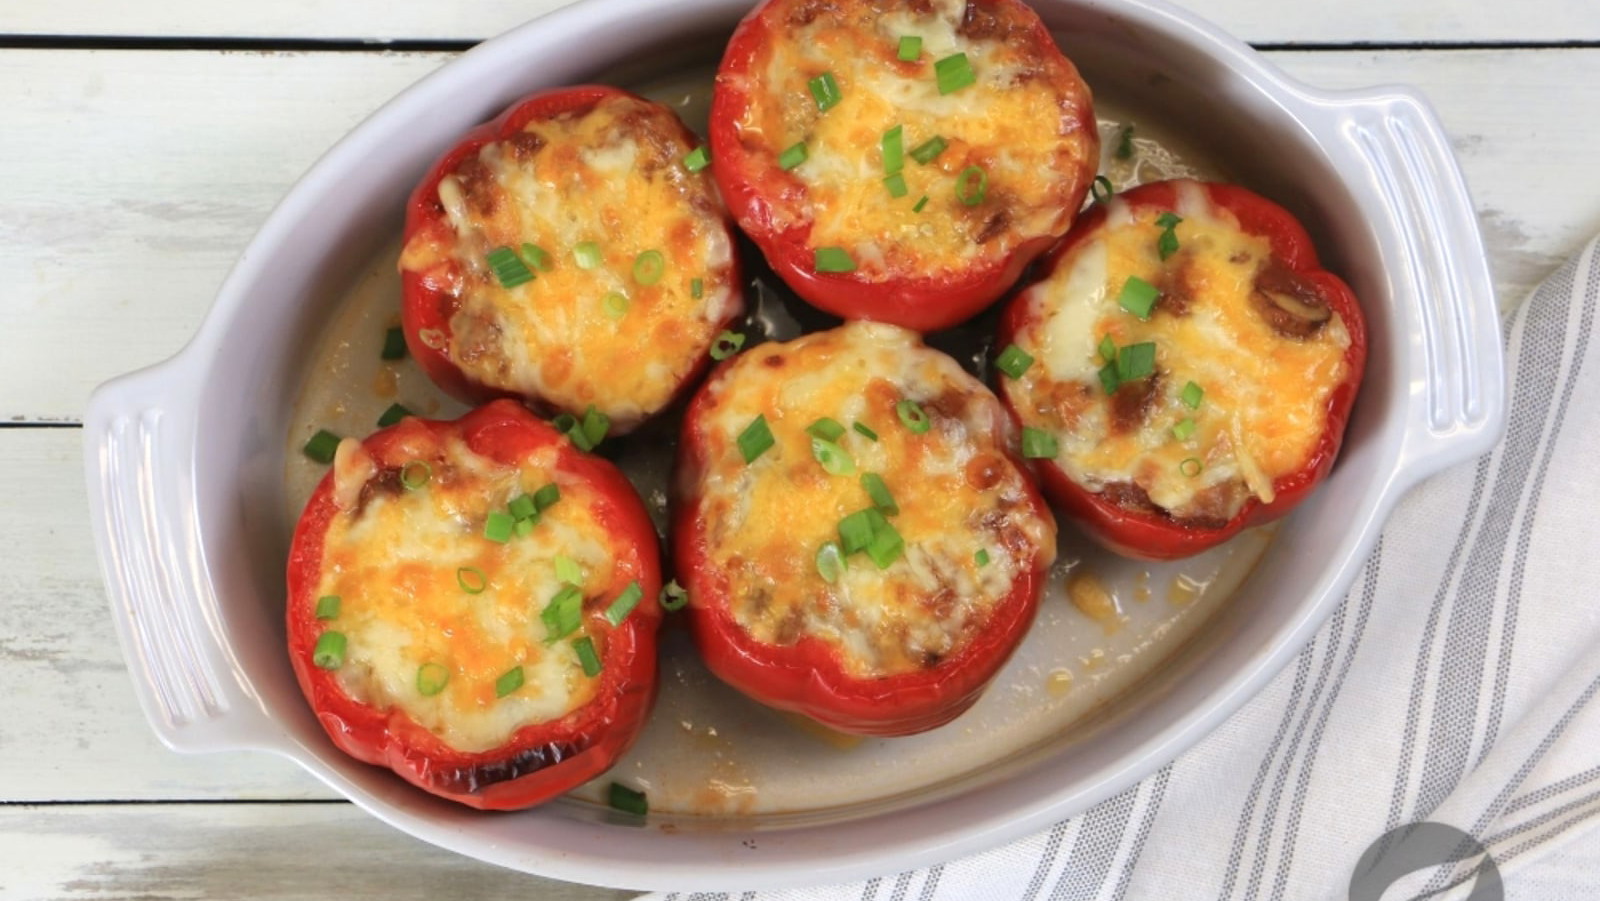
x=1131 y=497
x=387 y=481
x=1289 y=303
x=979 y=22
x=475 y=778
x=772 y=361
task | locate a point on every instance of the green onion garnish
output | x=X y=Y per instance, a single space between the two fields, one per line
x=648 y=267
x=627 y=800
x=879 y=492
x=471 y=579
x=697 y=159
x=1138 y=296
x=508 y=268
x=497 y=526
x=537 y=257
x=825 y=428
x=509 y=681
x=1013 y=361
x=920 y=204
x=588 y=432
x=1038 y=444
x=624 y=604
x=1167 y=243
x=910 y=48
x=1101 y=189
x=1125 y=143
x=328 y=606
x=825 y=90
x=857 y=529
x=928 y=150
x=523 y=506
x=755 y=439
x=868 y=433
x=322 y=446
x=896 y=185
x=568 y=572
x=616 y=304
x=394 y=414
x=524 y=527
x=673 y=597
x=726 y=345
x=546 y=496
x=972 y=185
x=329 y=652
x=697 y=288
x=830 y=563
x=415 y=474
x=1109 y=379
x=394 y=344
x=1136 y=361
x=954 y=73
x=981 y=557
x=584 y=645
x=912 y=416
x=894 y=154
x=834 y=459
x=834 y=259
x=1192 y=395
x=1190 y=467
x=563 y=614
x=1183 y=430
x=792 y=156
x=431 y=679
x=587 y=254
x=886 y=546
x=1108 y=350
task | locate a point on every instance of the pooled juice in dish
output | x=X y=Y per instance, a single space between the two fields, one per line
x=1104 y=622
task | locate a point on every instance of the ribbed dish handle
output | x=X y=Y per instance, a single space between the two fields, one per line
x=1439 y=275
x=139 y=452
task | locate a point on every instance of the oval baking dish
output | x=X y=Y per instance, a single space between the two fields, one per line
x=185 y=460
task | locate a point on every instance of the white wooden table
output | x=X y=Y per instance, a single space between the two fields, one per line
x=141 y=145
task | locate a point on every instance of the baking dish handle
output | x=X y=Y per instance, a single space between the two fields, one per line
x=139 y=454
x=1451 y=354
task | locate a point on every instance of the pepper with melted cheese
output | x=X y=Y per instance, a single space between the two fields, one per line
x=975 y=534
x=634 y=268
x=1250 y=357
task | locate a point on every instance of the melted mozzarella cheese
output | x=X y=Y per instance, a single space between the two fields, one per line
x=957 y=495
x=1265 y=395
x=1021 y=122
x=611 y=176
x=396 y=560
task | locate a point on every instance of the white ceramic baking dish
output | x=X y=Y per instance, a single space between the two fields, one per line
x=181 y=455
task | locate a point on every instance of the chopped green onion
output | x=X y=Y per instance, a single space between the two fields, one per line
x=1168 y=220
x=1136 y=361
x=546 y=496
x=1109 y=380
x=394 y=344
x=1125 y=143
x=1138 y=296
x=616 y=304
x=868 y=433
x=322 y=446
x=697 y=159
x=910 y=48
x=591 y=430
x=896 y=185
x=471 y=579
x=537 y=257
x=954 y=73
x=1192 y=395
x=497 y=526
x=509 y=681
x=726 y=345
x=524 y=527
x=648 y=267
x=627 y=800
x=415 y=474
x=981 y=557
x=830 y=562
x=568 y=572
x=972 y=185
x=886 y=546
x=328 y=606
x=624 y=604
x=920 y=204
x=928 y=150
x=1013 y=361
x=394 y=414
x=824 y=90
x=834 y=259
x=563 y=614
x=431 y=679
x=1038 y=444
x=329 y=652
x=1183 y=430
x=1101 y=189
x=825 y=428
x=792 y=156
x=912 y=416
x=590 y=661
x=697 y=288
x=1167 y=243
x=894 y=153
x=857 y=529
x=834 y=459
x=523 y=506
x=673 y=597
x=755 y=439
x=564 y=423
x=587 y=254
x=1108 y=350
x=1190 y=467
x=508 y=268
x=879 y=492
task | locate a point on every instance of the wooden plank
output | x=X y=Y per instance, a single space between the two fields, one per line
x=267 y=852
x=1261 y=21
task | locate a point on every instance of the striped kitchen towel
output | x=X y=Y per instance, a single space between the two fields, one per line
x=1455 y=687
